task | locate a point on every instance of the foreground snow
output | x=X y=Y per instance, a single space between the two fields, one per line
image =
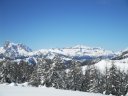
x=11 y=90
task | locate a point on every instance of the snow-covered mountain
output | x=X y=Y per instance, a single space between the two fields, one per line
x=78 y=52
x=12 y=50
x=122 y=55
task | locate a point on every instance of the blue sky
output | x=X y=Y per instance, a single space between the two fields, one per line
x=61 y=23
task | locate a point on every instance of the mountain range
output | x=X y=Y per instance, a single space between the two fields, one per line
x=79 y=52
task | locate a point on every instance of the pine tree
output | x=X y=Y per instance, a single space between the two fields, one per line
x=55 y=75
x=42 y=68
x=4 y=70
x=39 y=74
x=113 y=81
x=75 y=76
x=125 y=83
x=35 y=79
x=8 y=71
x=92 y=79
x=25 y=71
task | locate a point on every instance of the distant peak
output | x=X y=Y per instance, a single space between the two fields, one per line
x=80 y=46
x=7 y=44
x=86 y=47
x=126 y=49
x=12 y=45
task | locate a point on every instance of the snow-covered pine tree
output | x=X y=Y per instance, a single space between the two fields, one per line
x=92 y=79
x=55 y=75
x=42 y=68
x=25 y=71
x=40 y=74
x=35 y=79
x=86 y=79
x=125 y=83
x=8 y=71
x=75 y=76
x=4 y=72
x=113 y=81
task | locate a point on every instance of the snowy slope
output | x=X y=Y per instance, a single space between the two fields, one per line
x=2 y=50
x=122 y=55
x=6 y=90
x=121 y=64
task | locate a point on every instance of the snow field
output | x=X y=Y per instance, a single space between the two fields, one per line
x=13 y=90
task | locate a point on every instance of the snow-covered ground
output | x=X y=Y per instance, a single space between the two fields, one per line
x=120 y=64
x=12 y=90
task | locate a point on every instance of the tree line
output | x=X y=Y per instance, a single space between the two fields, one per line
x=54 y=73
